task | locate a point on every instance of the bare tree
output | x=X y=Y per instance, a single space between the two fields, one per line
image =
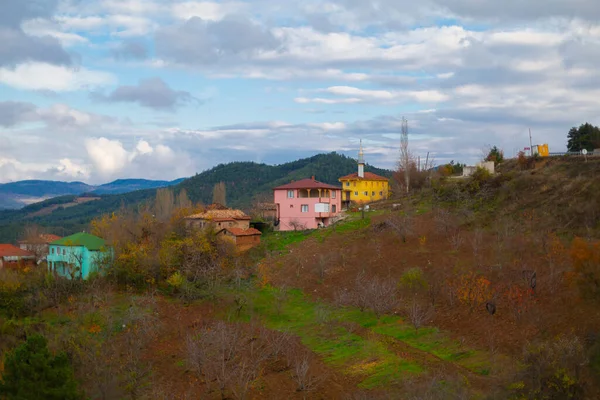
x=405 y=162
x=164 y=204
x=183 y=201
x=220 y=194
x=418 y=313
x=303 y=374
x=297 y=225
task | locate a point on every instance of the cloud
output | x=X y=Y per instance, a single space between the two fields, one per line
x=200 y=42
x=352 y=95
x=17 y=46
x=43 y=76
x=207 y=10
x=107 y=156
x=130 y=49
x=151 y=93
x=13 y=113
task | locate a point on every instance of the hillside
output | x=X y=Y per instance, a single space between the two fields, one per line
x=15 y=195
x=243 y=180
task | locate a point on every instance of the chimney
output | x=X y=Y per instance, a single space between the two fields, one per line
x=312 y=177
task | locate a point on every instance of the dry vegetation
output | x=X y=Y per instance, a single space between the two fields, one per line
x=483 y=288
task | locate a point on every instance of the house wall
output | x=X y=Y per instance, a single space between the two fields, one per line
x=16 y=262
x=82 y=261
x=290 y=209
x=365 y=191
x=247 y=240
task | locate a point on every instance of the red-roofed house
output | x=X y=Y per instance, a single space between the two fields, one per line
x=14 y=257
x=38 y=245
x=244 y=238
x=306 y=204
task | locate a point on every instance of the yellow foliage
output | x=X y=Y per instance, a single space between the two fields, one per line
x=473 y=290
x=175 y=280
x=264 y=274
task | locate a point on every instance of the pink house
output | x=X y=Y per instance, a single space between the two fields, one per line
x=306 y=204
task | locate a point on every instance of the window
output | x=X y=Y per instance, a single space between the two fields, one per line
x=291 y=206
x=366 y=193
x=333 y=194
x=372 y=193
x=52 y=250
x=64 y=252
x=333 y=209
x=290 y=194
x=356 y=193
x=381 y=193
x=347 y=183
x=304 y=208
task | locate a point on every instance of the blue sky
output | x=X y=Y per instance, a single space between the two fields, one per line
x=95 y=90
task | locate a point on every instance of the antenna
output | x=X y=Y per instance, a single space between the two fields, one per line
x=530 y=144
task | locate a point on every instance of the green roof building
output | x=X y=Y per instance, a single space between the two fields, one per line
x=78 y=255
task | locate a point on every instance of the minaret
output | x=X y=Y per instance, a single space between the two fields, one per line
x=361 y=162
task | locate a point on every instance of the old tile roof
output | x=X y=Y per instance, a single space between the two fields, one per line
x=220 y=215
x=369 y=176
x=243 y=232
x=44 y=238
x=8 y=250
x=307 y=184
x=91 y=242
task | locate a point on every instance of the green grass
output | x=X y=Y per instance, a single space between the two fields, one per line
x=368 y=358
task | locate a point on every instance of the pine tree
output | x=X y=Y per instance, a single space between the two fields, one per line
x=32 y=372
x=587 y=137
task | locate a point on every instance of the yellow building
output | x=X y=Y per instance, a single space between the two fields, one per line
x=363 y=187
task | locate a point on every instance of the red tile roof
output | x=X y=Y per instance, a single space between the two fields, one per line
x=243 y=232
x=220 y=215
x=369 y=176
x=44 y=238
x=8 y=250
x=307 y=184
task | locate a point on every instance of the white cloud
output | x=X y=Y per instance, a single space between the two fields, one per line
x=144 y=147
x=356 y=95
x=108 y=156
x=207 y=10
x=41 y=76
x=71 y=169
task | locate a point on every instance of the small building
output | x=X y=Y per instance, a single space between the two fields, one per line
x=306 y=204
x=12 y=257
x=38 y=245
x=78 y=255
x=487 y=165
x=363 y=187
x=218 y=219
x=266 y=211
x=243 y=238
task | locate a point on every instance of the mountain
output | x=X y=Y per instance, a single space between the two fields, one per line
x=129 y=185
x=243 y=180
x=18 y=194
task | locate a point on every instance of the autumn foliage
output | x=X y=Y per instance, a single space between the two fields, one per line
x=585 y=257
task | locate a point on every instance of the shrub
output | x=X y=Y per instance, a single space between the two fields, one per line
x=586 y=267
x=552 y=370
x=413 y=280
x=31 y=372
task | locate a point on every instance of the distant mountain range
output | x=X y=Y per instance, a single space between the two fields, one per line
x=244 y=182
x=16 y=195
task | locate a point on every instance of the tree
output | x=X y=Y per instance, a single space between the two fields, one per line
x=587 y=137
x=406 y=161
x=183 y=201
x=164 y=204
x=495 y=154
x=220 y=194
x=31 y=372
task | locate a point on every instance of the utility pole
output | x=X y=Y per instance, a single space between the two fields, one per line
x=530 y=144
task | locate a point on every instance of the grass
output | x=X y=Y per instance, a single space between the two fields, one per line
x=365 y=357
x=281 y=241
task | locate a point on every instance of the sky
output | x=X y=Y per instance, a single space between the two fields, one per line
x=96 y=90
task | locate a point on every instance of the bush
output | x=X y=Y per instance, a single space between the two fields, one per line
x=413 y=280
x=552 y=370
x=31 y=372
